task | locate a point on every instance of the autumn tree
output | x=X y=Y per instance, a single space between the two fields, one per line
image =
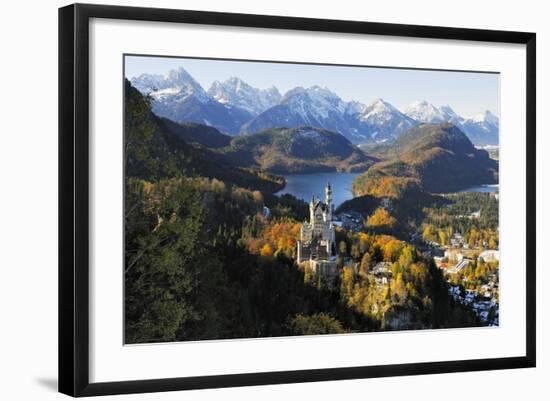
x=392 y=250
x=266 y=251
x=366 y=263
x=320 y=323
x=381 y=221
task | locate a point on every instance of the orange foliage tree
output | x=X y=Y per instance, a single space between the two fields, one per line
x=276 y=236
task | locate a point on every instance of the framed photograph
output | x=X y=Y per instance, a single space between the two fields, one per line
x=250 y=199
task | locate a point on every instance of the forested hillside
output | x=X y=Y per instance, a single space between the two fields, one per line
x=438 y=157
x=297 y=150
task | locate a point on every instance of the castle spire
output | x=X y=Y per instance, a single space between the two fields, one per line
x=328 y=198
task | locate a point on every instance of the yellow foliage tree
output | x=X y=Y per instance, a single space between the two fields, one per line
x=366 y=262
x=392 y=250
x=346 y=286
x=381 y=218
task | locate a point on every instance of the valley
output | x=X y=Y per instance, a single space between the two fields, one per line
x=254 y=213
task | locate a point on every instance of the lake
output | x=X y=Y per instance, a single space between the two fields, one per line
x=303 y=186
x=482 y=188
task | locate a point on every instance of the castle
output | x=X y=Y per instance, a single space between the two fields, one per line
x=317 y=245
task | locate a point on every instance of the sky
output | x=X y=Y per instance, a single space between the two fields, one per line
x=468 y=93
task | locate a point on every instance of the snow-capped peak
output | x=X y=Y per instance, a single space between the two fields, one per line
x=421 y=110
x=324 y=98
x=179 y=76
x=485 y=117
x=236 y=92
x=381 y=104
x=177 y=83
x=237 y=84
x=384 y=121
x=379 y=109
x=314 y=103
x=147 y=83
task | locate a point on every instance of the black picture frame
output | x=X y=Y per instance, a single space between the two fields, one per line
x=74 y=198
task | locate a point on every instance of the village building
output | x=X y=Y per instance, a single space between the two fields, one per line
x=317 y=244
x=464 y=262
x=454 y=255
x=489 y=255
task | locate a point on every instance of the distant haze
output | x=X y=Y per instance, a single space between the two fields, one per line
x=468 y=93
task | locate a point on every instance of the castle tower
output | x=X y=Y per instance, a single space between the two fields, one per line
x=312 y=210
x=328 y=198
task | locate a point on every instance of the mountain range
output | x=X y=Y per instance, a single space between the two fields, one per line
x=481 y=129
x=236 y=108
x=236 y=92
x=172 y=148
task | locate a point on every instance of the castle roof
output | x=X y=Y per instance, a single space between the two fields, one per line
x=318 y=204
